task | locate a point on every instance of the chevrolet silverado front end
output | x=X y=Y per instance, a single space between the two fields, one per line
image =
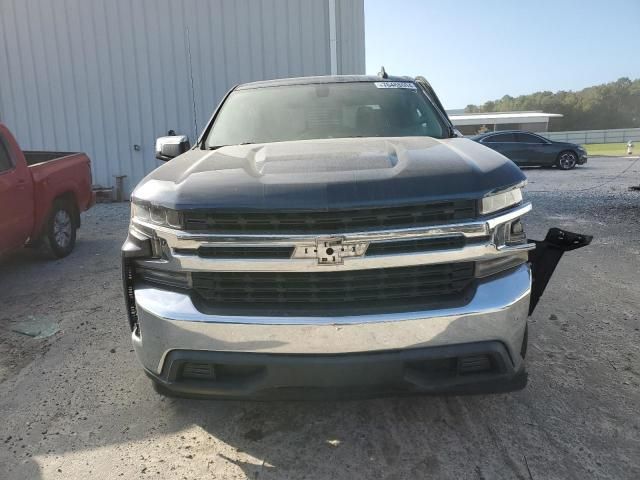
x=354 y=245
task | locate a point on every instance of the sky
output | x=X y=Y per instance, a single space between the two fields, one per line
x=474 y=51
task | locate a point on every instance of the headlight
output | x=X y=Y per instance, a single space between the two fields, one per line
x=140 y=212
x=500 y=201
x=161 y=216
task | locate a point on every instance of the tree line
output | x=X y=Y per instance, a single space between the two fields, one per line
x=609 y=105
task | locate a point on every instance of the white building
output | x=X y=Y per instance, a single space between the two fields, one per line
x=109 y=76
x=472 y=123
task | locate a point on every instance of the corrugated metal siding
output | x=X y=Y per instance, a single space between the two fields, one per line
x=350 y=36
x=101 y=76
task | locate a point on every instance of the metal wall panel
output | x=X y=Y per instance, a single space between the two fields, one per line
x=350 y=35
x=105 y=76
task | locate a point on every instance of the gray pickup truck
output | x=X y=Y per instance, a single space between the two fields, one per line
x=333 y=236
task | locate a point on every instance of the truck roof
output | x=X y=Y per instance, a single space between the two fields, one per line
x=321 y=79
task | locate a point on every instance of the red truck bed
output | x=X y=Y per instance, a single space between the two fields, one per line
x=34 y=188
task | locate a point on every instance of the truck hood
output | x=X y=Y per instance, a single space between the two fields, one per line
x=329 y=174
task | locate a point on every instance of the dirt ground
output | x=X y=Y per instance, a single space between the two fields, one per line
x=77 y=405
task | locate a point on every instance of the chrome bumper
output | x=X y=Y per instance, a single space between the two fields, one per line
x=169 y=321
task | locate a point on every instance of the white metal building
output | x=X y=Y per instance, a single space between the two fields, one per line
x=472 y=123
x=109 y=76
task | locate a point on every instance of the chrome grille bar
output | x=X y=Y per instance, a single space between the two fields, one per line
x=485 y=245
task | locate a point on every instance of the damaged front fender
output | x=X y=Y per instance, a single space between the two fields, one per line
x=545 y=257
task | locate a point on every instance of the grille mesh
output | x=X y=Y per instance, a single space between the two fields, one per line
x=415 y=246
x=335 y=291
x=337 y=221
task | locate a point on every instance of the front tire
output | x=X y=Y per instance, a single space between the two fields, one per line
x=60 y=233
x=567 y=160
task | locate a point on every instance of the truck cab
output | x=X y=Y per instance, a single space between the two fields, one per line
x=16 y=196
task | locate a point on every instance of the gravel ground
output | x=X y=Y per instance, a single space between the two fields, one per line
x=76 y=404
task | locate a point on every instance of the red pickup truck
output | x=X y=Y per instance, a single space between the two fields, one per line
x=41 y=196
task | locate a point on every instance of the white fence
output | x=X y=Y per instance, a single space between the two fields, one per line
x=622 y=135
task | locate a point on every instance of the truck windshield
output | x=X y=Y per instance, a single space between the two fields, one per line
x=316 y=111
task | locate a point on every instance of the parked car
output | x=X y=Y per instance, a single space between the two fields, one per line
x=41 y=196
x=527 y=149
x=332 y=232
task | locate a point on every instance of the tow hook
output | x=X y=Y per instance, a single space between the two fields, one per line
x=545 y=257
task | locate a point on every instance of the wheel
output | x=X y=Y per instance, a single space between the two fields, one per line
x=567 y=160
x=60 y=233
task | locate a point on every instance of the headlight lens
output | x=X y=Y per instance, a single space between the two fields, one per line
x=161 y=216
x=140 y=212
x=500 y=201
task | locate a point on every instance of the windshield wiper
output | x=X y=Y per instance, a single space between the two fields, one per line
x=215 y=147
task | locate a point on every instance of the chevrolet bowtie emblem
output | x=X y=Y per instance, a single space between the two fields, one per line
x=331 y=250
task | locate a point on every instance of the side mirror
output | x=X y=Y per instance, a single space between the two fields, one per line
x=171 y=146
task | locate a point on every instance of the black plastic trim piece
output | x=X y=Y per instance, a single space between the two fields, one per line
x=545 y=257
x=431 y=370
x=133 y=247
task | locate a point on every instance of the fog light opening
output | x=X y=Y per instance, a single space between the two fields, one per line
x=474 y=364
x=198 y=371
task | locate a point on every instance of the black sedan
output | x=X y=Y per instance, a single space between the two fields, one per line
x=528 y=149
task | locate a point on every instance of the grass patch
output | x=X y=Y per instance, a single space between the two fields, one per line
x=610 y=149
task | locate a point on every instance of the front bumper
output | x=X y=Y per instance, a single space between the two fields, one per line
x=482 y=367
x=582 y=158
x=169 y=324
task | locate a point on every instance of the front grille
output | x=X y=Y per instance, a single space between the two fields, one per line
x=394 y=247
x=391 y=247
x=335 y=292
x=237 y=252
x=336 y=221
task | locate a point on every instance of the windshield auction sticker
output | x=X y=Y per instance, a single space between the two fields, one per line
x=408 y=85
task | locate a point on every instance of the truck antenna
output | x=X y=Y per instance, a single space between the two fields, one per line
x=383 y=73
